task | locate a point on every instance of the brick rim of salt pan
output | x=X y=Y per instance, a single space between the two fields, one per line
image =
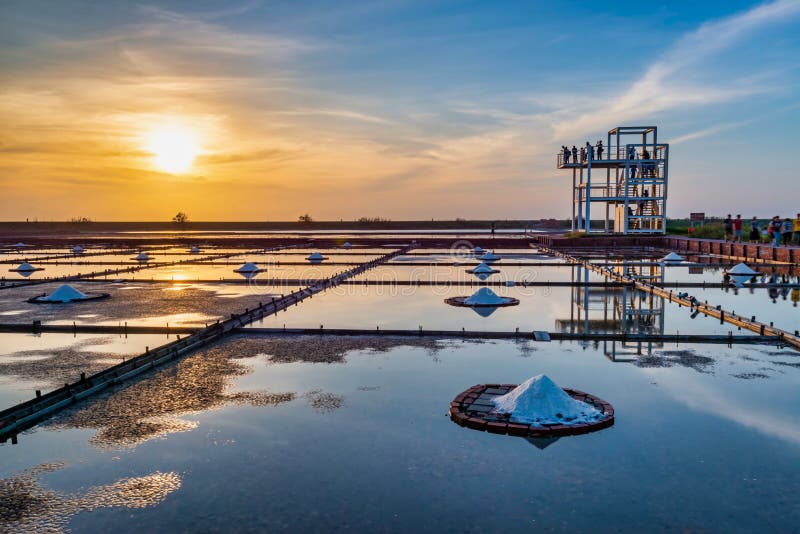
x=465 y=412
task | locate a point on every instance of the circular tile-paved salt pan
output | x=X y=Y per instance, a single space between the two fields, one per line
x=473 y=408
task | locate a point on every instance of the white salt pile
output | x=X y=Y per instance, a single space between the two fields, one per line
x=741 y=273
x=347 y=244
x=485 y=297
x=248 y=267
x=483 y=269
x=478 y=250
x=489 y=256
x=539 y=401
x=315 y=256
x=25 y=266
x=77 y=249
x=742 y=269
x=65 y=293
x=20 y=244
x=672 y=257
x=142 y=256
x=194 y=250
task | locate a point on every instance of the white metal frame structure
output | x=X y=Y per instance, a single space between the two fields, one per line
x=630 y=178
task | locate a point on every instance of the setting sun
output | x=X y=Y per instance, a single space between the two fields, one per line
x=174 y=148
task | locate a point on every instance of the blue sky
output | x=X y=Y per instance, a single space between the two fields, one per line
x=393 y=109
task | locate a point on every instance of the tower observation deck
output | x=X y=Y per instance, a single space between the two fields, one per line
x=624 y=180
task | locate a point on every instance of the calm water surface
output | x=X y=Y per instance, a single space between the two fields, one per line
x=364 y=443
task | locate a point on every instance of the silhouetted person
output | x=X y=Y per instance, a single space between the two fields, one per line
x=755 y=231
x=574 y=154
x=728 y=223
x=787 y=231
x=599 y=150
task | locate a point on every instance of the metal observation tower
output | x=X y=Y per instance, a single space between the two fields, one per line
x=624 y=182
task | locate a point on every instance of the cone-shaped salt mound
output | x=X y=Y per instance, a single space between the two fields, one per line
x=741 y=270
x=489 y=256
x=142 y=256
x=248 y=267
x=20 y=244
x=347 y=244
x=194 y=250
x=77 y=249
x=539 y=401
x=315 y=256
x=672 y=256
x=25 y=267
x=484 y=297
x=478 y=250
x=65 y=293
x=482 y=269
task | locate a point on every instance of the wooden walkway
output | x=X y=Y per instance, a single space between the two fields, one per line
x=728 y=339
x=296 y=282
x=791 y=339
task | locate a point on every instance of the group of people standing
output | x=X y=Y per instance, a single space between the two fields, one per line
x=778 y=231
x=595 y=152
x=585 y=153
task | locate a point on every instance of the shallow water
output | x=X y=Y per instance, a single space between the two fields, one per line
x=348 y=432
x=46 y=361
x=363 y=443
x=540 y=308
x=505 y=272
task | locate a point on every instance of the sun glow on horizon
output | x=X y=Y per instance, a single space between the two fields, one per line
x=174 y=148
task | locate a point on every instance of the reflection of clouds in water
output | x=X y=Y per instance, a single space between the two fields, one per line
x=702 y=395
x=26 y=506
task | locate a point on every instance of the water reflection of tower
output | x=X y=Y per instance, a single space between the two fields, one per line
x=616 y=310
x=638 y=311
x=591 y=308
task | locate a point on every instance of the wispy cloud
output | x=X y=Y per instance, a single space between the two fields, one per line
x=283 y=109
x=336 y=113
x=664 y=85
x=698 y=134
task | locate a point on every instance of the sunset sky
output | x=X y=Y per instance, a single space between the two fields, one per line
x=262 y=110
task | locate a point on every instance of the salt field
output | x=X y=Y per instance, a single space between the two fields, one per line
x=337 y=403
x=399 y=267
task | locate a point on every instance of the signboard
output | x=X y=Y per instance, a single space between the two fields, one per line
x=697 y=217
